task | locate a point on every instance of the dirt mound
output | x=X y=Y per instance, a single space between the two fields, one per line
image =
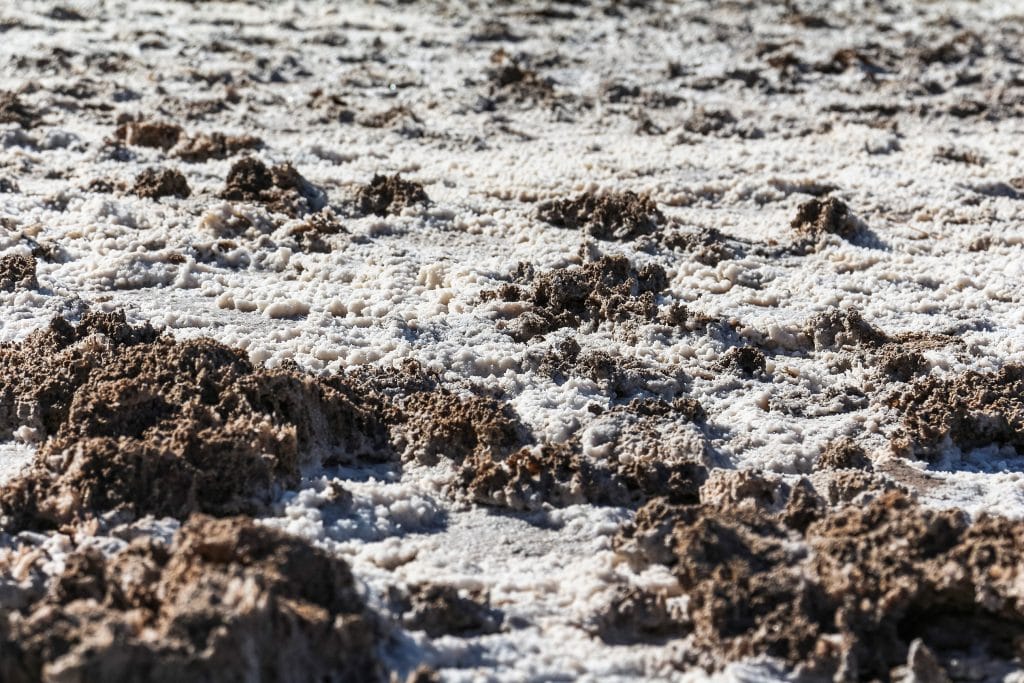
x=608 y=289
x=971 y=410
x=441 y=610
x=14 y=110
x=819 y=217
x=281 y=188
x=387 y=195
x=157 y=134
x=837 y=594
x=142 y=424
x=612 y=216
x=838 y=328
x=227 y=595
x=206 y=146
x=17 y=272
x=154 y=183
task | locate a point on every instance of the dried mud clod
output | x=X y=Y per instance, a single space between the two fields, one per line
x=708 y=246
x=388 y=195
x=608 y=289
x=205 y=147
x=747 y=360
x=155 y=183
x=839 y=593
x=227 y=594
x=281 y=188
x=971 y=410
x=135 y=423
x=17 y=271
x=444 y=610
x=511 y=79
x=637 y=616
x=837 y=328
x=14 y=110
x=843 y=453
x=156 y=134
x=818 y=217
x=612 y=216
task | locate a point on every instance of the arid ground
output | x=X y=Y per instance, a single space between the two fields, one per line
x=515 y=341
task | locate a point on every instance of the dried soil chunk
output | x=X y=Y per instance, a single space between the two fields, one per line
x=970 y=411
x=13 y=110
x=281 y=188
x=838 y=328
x=612 y=216
x=607 y=289
x=227 y=595
x=637 y=616
x=154 y=183
x=841 y=594
x=145 y=425
x=215 y=146
x=387 y=195
x=441 y=610
x=150 y=134
x=843 y=453
x=818 y=217
x=17 y=272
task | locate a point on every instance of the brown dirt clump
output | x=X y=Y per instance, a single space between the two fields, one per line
x=205 y=146
x=819 y=217
x=746 y=360
x=843 y=453
x=157 y=134
x=838 y=328
x=227 y=595
x=968 y=411
x=612 y=216
x=638 y=616
x=17 y=271
x=387 y=195
x=281 y=188
x=839 y=594
x=140 y=424
x=708 y=246
x=154 y=183
x=13 y=110
x=442 y=610
x=608 y=289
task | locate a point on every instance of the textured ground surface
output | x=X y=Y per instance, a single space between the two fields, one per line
x=524 y=340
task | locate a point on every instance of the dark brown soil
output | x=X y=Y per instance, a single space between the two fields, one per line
x=839 y=594
x=387 y=195
x=818 y=217
x=205 y=147
x=746 y=360
x=14 y=110
x=612 y=216
x=843 y=453
x=281 y=188
x=638 y=616
x=156 y=134
x=708 y=246
x=837 y=328
x=441 y=610
x=141 y=424
x=608 y=289
x=154 y=183
x=227 y=595
x=971 y=410
x=17 y=272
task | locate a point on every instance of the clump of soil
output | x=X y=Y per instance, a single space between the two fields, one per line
x=837 y=328
x=138 y=423
x=840 y=594
x=843 y=453
x=511 y=78
x=968 y=411
x=387 y=195
x=157 y=134
x=13 y=110
x=281 y=188
x=637 y=616
x=608 y=289
x=819 y=217
x=561 y=475
x=17 y=272
x=708 y=246
x=205 y=146
x=442 y=610
x=443 y=423
x=154 y=183
x=226 y=595
x=747 y=360
x=612 y=216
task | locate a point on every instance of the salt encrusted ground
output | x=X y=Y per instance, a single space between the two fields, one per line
x=729 y=116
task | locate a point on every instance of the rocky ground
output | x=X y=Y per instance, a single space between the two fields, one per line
x=514 y=341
